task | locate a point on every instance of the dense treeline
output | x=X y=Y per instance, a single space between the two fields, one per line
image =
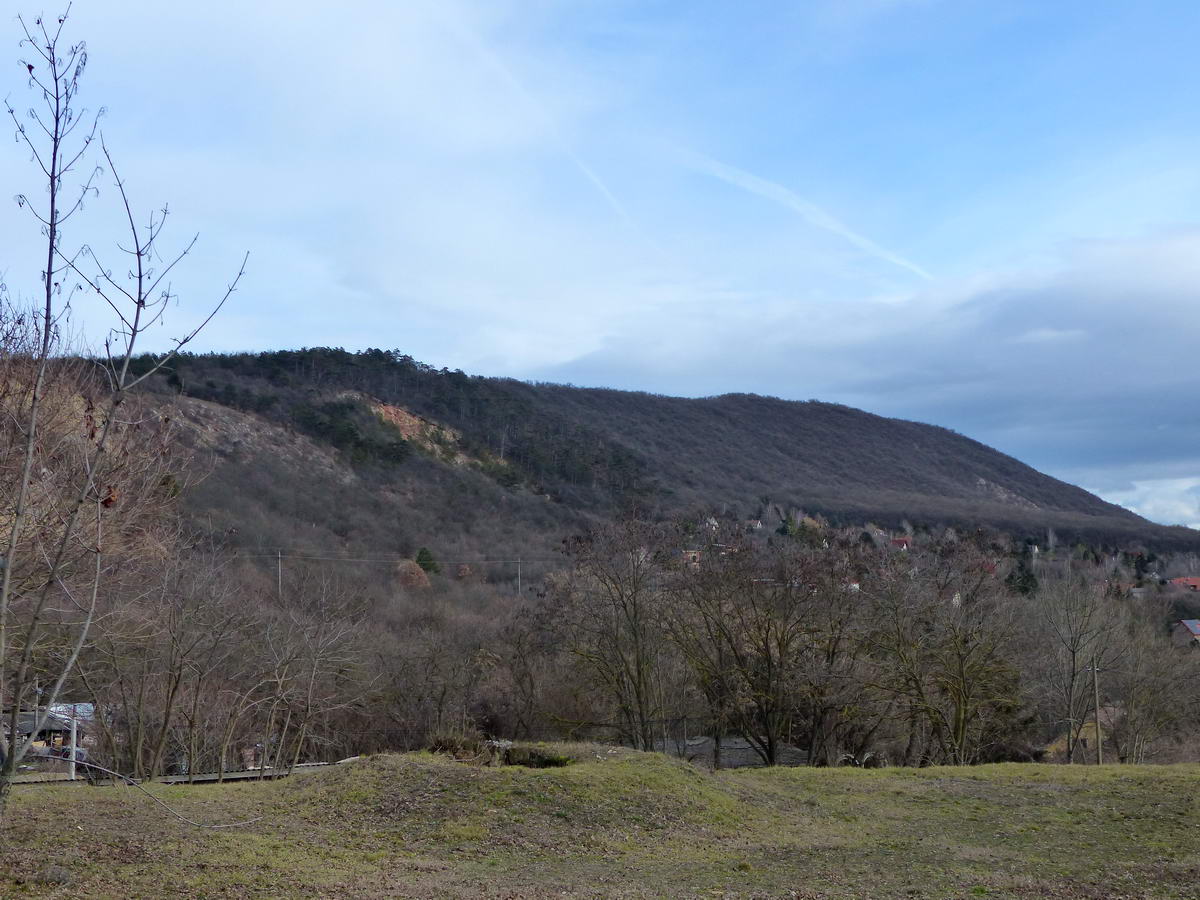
x=854 y=649
x=841 y=645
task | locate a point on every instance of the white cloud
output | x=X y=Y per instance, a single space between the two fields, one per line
x=1046 y=335
x=1173 y=501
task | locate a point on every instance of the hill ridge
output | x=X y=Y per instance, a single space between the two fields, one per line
x=596 y=453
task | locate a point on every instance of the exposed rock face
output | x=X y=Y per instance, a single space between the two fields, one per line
x=434 y=438
x=411 y=427
x=1004 y=495
x=234 y=434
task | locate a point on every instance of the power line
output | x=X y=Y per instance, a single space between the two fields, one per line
x=396 y=559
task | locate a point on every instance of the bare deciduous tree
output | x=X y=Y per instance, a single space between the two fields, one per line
x=1074 y=620
x=609 y=612
x=1150 y=684
x=943 y=645
x=75 y=487
x=743 y=618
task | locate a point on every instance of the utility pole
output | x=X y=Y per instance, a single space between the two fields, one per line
x=518 y=576
x=74 y=744
x=279 y=572
x=1096 y=691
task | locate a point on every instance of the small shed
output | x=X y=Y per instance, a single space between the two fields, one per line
x=53 y=728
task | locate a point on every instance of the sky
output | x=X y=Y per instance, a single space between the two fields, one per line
x=981 y=215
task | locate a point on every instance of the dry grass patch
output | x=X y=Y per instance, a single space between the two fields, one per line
x=619 y=824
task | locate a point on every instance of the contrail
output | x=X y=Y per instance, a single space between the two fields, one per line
x=493 y=60
x=809 y=211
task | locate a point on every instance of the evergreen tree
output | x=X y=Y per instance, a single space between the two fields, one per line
x=1021 y=579
x=426 y=561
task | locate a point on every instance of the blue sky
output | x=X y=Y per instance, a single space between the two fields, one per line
x=982 y=215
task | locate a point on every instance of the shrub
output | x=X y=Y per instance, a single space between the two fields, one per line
x=536 y=757
x=459 y=744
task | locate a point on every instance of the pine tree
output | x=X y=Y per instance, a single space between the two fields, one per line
x=426 y=561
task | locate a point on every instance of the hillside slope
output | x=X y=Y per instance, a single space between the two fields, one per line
x=264 y=486
x=828 y=457
x=479 y=466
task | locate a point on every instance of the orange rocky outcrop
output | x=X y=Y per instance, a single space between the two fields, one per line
x=410 y=575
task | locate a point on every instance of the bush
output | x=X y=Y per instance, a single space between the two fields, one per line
x=459 y=744
x=536 y=757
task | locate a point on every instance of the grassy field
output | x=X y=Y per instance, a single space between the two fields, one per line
x=619 y=823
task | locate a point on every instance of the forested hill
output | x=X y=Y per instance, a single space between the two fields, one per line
x=418 y=455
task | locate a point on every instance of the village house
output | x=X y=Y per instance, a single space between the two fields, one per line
x=1186 y=633
x=54 y=738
